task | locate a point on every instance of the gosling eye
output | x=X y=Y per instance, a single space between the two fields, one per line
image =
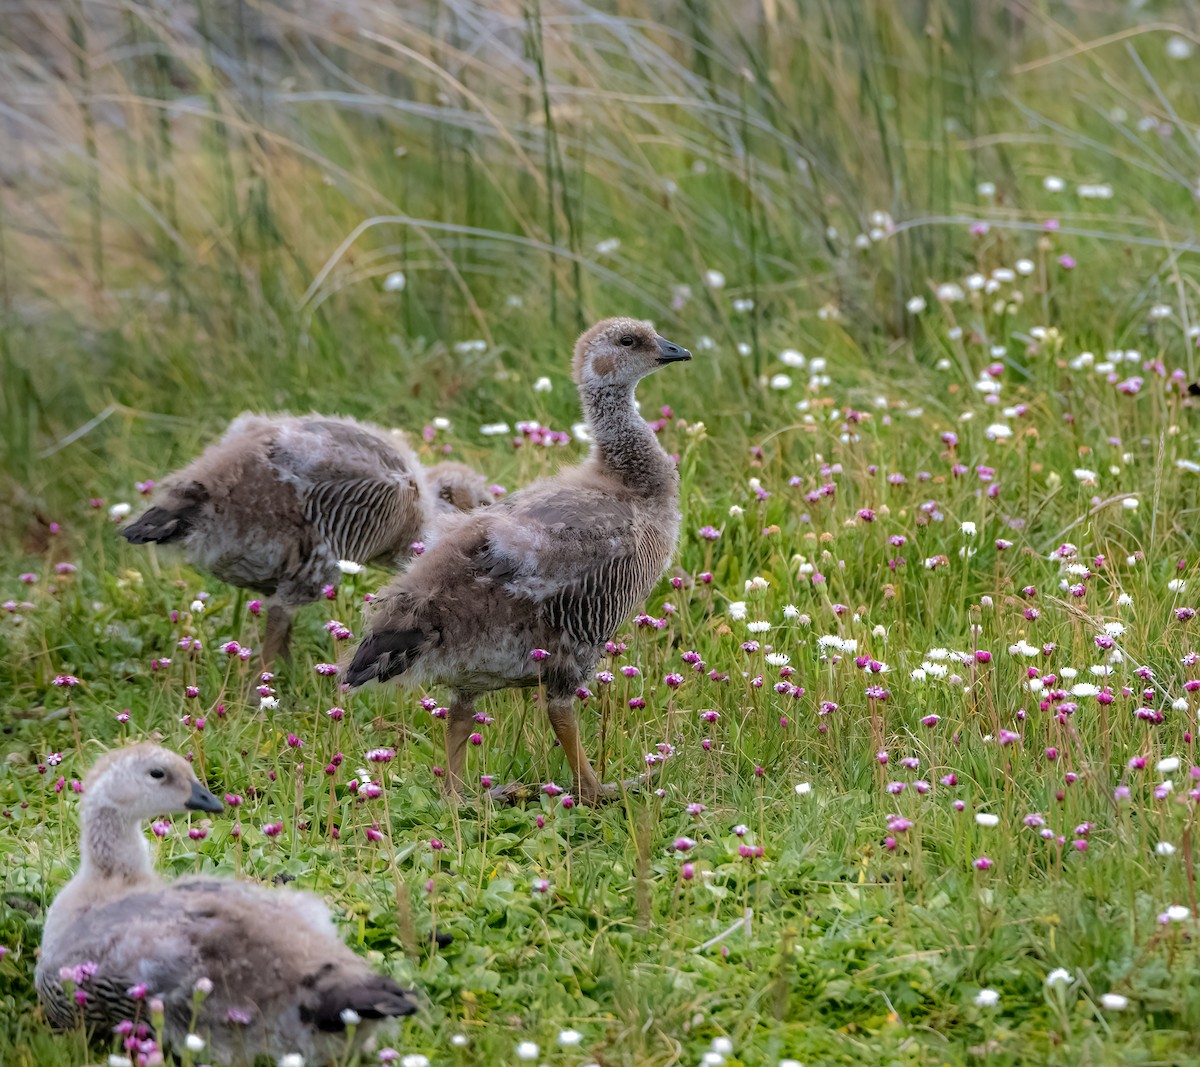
x=628 y=340
x=157 y=772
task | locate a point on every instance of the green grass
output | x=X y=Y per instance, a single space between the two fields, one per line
x=198 y=216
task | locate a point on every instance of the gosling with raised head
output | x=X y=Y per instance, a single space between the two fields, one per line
x=282 y=981
x=278 y=501
x=557 y=566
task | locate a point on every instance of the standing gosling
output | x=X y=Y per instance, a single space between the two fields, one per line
x=555 y=567
x=281 y=979
x=279 y=500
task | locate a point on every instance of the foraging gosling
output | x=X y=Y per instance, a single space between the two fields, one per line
x=556 y=567
x=278 y=501
x=282 y=981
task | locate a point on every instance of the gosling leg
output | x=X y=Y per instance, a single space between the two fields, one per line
x=277 y=641
x=458 y=730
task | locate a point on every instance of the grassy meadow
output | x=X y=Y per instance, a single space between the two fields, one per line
x=922 y=684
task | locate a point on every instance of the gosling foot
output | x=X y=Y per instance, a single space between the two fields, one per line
x=513 y=793
x=603 y=792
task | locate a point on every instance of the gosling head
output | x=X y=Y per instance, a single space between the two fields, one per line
x=622 y=352
x=147 y=780
x=457 y=487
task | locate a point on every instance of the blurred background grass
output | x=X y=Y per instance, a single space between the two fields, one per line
x=202 y=203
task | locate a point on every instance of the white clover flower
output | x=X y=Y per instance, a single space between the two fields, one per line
x=722 y=1046
x=986 y=819
x=494 y=429
x=542 y=385
x=949 y=292
x=803 y=789
x=194 y=1043
x=915 y=305
x=743 y=348
x=348 y=566
x=460 y=1040
x=780 y=382
x=997 y=432
x=395 y=282
x=1179 y=47
x=1180 y=704
x=986 y=188
x=1058 y=976
x=737 y=610
x=1004 y=275
x=119 y=511
x=1053 y=185
x=527 y=1050
x=1164 y=849
x=1177 y=913
x=711 y=1059
x=1024 y=266
x=1168 y=765
x=196 y=607
x=1114 y=1001
x=968 y=529
x=1130 y=503
x=987 y=998
x=735 y=511
x=742 y=305
x=714 y=279
x=569 y=1038
x=790 y=357
x=414 y=1059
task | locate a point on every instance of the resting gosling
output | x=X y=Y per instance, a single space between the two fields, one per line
x=278 y=501
x=556 y=567
x=281 y=979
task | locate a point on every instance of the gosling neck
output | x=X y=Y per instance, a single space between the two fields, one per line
x=113 y=845
x=623 y=443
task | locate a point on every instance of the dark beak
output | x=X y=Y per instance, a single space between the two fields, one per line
x=202 y=800
x=670 y=352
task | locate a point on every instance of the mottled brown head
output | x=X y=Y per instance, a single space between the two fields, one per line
x=146 y=780
x=457 y=487
x=622 y=351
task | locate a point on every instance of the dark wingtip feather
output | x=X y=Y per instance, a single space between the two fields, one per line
x=383 y=655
